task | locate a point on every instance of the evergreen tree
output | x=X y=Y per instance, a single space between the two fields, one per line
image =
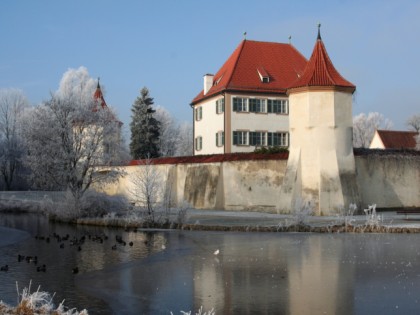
x=145 y=129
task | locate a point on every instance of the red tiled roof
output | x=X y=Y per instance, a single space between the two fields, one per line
x=320 y=71
x=282 y=62
x=99 y=97
x=213 y=158
x=398 y=139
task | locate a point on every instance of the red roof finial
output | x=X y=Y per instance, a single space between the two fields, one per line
x=319 y=32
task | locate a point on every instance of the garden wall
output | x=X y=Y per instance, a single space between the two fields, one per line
x=390 y=179
x=253 y=181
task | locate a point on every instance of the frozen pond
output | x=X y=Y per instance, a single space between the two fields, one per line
x=254 y=273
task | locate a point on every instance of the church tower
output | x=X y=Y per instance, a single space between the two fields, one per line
x=321 y=166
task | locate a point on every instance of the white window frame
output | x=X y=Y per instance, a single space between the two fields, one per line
x=198 y=143
x=262 y=135
x=198 y=113
x=220 y=138
x=284 y=138
x=243 y=106
x=244 y=137
x=220 y=106
x=284 y=108
x=262 y=105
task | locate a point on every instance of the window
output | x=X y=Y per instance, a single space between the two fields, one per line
x=240 y=104
x=198 y=113
x=265 y=78
x=240 y=137
x=220 y=138
x=257 y=138
x=198 y=143
x=256 y=105
x=277 y=106
x=278 y=139
x=220 y=105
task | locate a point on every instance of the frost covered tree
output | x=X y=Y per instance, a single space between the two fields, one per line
x=145 y=129
x=185 y=140
x=413 y=123
x=364 y=127
x=175 y=137
x=147 y=187
x=169 y=132
x=12 y=106
x=65 y=139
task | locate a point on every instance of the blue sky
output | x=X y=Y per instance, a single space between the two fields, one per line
x=168 y=46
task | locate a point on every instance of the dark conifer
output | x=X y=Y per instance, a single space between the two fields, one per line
x=145 y=129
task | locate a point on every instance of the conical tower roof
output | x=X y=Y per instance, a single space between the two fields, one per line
x=320 y=71
x=99 y=97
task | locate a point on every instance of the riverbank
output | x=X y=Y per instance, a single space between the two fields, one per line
x=244 y=221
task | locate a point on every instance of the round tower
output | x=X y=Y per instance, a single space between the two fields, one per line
x=321 y=166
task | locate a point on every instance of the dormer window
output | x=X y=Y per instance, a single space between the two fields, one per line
x=264 y=77
x=216 y=82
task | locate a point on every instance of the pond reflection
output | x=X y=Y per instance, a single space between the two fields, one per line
x=253 y=273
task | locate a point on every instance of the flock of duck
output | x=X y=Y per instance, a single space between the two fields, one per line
x=64 y=241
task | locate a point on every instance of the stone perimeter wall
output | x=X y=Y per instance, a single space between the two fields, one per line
x=389 y=180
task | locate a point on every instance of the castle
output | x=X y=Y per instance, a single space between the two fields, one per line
x=268 y=94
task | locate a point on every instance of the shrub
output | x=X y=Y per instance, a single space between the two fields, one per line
x=270 y=150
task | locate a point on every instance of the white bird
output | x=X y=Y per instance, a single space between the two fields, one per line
x=216 y=252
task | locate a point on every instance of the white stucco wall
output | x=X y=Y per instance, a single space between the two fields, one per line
x=376 y=142
x=254 y=185
x=247 y=121
x=388 y=181
x=208 y=126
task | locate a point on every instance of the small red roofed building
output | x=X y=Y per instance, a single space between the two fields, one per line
x=393 y=139
x=245 y=104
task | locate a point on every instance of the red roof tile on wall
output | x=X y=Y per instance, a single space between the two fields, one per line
x=398 y=139
x=320 y=71
x=213 y=158
x=282 y=62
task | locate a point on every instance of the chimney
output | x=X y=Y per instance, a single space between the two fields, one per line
x=208 y=82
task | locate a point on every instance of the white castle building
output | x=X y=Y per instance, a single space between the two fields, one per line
x=268 y=94
x=245 y=104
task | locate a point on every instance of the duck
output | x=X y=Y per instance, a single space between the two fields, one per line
x=42 y=268
x=20 y=257
x=4 y=268
x=75 y=270
x=131 y=243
